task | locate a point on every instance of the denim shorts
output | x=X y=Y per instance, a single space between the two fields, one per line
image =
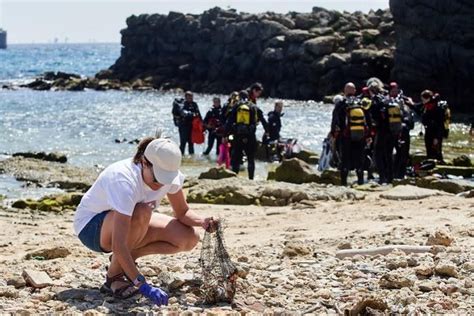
x=90 y=234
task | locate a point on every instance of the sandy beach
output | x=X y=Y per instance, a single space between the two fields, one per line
x=287 y=254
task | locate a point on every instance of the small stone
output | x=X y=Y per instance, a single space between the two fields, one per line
x=8 y=292
x=180 y=279
x=446 y=268
x=394 y=281
x=344 y=245
x=48 y=254
x=468 y=266
x=324 y=293
x=296 y=248
x=148 y=272
x=424 y=270
x=242 y=270
x=427 y=286
x=440 y=238
x=243 y=259
x=396 y=262
x=36 y=279
x=406 y=297
x=17 y=281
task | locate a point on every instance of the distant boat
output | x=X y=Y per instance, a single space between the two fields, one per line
x=3 y=39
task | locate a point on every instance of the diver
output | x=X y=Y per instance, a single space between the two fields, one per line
x=183 y=113
x=214 y=126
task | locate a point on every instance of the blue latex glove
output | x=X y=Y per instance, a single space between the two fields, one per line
x=155 y=294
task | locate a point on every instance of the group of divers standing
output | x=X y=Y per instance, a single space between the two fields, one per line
x=375 y=125
x=370 y=130
x=232 y=127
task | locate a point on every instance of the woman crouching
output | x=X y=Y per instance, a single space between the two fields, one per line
x=116 y=215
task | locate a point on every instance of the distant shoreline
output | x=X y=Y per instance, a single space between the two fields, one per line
x=63 y=44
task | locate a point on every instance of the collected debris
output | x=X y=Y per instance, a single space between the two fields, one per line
x=219 y=273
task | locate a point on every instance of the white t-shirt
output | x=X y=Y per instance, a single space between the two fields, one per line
x=119 y=187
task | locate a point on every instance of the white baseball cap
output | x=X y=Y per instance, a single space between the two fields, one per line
x=165 y=156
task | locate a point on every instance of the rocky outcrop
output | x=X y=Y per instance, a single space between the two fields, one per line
x=294 y=171
x=295 y=55
x=239 y=191
x=57 y=157
x=435 y=48
x=48 y=174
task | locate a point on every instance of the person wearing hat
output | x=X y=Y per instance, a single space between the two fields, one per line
x=116 y=216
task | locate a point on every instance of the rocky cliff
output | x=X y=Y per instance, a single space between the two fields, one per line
x=296 y=55
x=435 y=48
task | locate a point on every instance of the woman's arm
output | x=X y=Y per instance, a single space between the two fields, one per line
x=120 y=246
x=184 y=214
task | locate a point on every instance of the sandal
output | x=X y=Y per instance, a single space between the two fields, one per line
x=127 y=291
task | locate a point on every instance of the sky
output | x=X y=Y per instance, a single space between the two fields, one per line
x=84 y=21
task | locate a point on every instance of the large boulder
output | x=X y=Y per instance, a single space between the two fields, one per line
x=294 y=171
x=217 y=173
x=435 y=48
x=321 y=46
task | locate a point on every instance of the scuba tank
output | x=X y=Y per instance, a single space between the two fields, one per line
x=176 y=111
x=356 y=120
x=394 y=113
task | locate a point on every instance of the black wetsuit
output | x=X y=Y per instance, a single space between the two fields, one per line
x=351 y=151
x=184 y=114
x=245 y=140
x=384 y=139
x=274 y=126
x=213 y=123
x=432 y=118
x=402 y=146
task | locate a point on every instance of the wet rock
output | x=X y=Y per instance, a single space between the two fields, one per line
x=331 y=176
x=462 y=161
x=465 y=172
x=217 y=173
x=395 y=281
x=296 y=248
x=48 y=173
x=49 y=254
x=447 y=269
x=294 y=171
x=440 y=237
x=56 y=157
x=36 y=279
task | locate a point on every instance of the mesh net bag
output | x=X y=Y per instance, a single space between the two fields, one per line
x=219 y=273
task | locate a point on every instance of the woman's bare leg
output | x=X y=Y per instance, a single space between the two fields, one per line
x=139 y=226
x=166 y=235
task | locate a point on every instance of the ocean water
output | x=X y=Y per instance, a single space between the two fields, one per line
x=84 y=125
x=25 y=61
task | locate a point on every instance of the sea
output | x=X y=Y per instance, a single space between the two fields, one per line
x=84 y=125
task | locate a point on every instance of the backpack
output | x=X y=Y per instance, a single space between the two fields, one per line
x=176 y=111
x=394 y=113
x=446 y=117
x=356 y=121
